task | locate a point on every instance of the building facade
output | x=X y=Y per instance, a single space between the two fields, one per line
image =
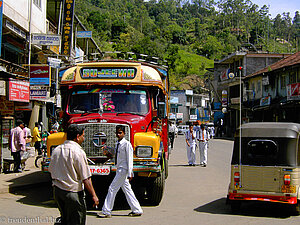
x=275 y=92
x=228 y=85
x=188 y=107
x=32 y=53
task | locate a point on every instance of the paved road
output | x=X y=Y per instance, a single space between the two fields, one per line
x=193 y=195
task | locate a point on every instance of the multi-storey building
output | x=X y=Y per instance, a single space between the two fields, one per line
x=227 y=82
x=274 y=92
x=188 y=107
x=34 y=38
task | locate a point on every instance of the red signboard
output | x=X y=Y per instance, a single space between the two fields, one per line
x=39 y=75
x=293 y=91
x=18 y=91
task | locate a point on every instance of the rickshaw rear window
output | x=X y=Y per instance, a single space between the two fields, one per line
x=266 y=152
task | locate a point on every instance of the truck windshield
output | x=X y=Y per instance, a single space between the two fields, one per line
x=109 y=101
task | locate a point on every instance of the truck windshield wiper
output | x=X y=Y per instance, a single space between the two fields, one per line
x=132 y=113
x=93 y=110
x=78 y=111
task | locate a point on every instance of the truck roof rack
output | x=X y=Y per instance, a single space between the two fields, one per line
x=132 y=56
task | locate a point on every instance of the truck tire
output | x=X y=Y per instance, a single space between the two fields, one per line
x=155 y=190
x=235 y=206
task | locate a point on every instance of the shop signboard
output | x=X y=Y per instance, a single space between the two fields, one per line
x=293 y=91
x=39 y=94
x=193 y=117
x=84 y=34
x=39 y=75
x=45 y=39
x=67 y=27
x=172 y=116
x=224 y=74
x=54 y=63
x=18 y=90
x=179 y=116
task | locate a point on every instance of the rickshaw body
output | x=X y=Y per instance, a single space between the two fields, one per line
x=265 y=166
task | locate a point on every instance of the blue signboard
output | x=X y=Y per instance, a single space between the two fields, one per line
x=84 y=34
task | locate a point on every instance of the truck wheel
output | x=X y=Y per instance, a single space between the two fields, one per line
x=155 y=190
x=235 y=206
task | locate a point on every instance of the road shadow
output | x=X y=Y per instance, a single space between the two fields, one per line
x=250 y=209
x=42 y=195
x=27 y=181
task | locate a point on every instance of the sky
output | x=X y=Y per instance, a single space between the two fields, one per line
x=280 y=6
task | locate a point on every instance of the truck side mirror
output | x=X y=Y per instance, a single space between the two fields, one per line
x=161 y=110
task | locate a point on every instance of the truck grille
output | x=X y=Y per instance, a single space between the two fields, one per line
x=108 y=129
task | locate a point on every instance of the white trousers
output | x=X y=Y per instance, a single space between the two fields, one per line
x=121 y=181
x=203 y=152
x=191 y=153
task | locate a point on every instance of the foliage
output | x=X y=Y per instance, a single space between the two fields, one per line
x=181 y=31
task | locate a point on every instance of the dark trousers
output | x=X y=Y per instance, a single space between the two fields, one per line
x=71 y=205
x=172 y=137
x=37 y=146
x=17 y=161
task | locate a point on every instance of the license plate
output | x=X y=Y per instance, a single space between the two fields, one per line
x=100 y=170
x=288 y=189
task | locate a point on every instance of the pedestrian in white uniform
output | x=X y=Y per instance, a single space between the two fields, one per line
x=190 y=138
x=124 y=174
x=203 y=137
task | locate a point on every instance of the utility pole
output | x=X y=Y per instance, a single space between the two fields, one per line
x=240 y=130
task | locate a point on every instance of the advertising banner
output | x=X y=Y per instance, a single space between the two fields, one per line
x=40 y=75
x=68 y=19
x=18 y=90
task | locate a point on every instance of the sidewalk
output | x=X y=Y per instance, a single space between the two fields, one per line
x=31 y=176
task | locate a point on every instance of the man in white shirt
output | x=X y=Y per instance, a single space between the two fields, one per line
x=190 y=138
x=172 y=133
x=124 y=174
x=202 y=137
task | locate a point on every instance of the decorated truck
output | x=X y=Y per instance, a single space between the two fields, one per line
x=101 y=95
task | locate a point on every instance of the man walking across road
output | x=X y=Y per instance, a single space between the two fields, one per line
x=190 y=138
x=202 y=137
x=17 y=144
x=124 y=174
x=70 y=175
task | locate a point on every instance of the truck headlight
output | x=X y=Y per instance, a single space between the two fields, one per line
x=144 y=151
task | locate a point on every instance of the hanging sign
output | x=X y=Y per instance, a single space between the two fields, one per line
x=67 y=28
x=39 y=75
